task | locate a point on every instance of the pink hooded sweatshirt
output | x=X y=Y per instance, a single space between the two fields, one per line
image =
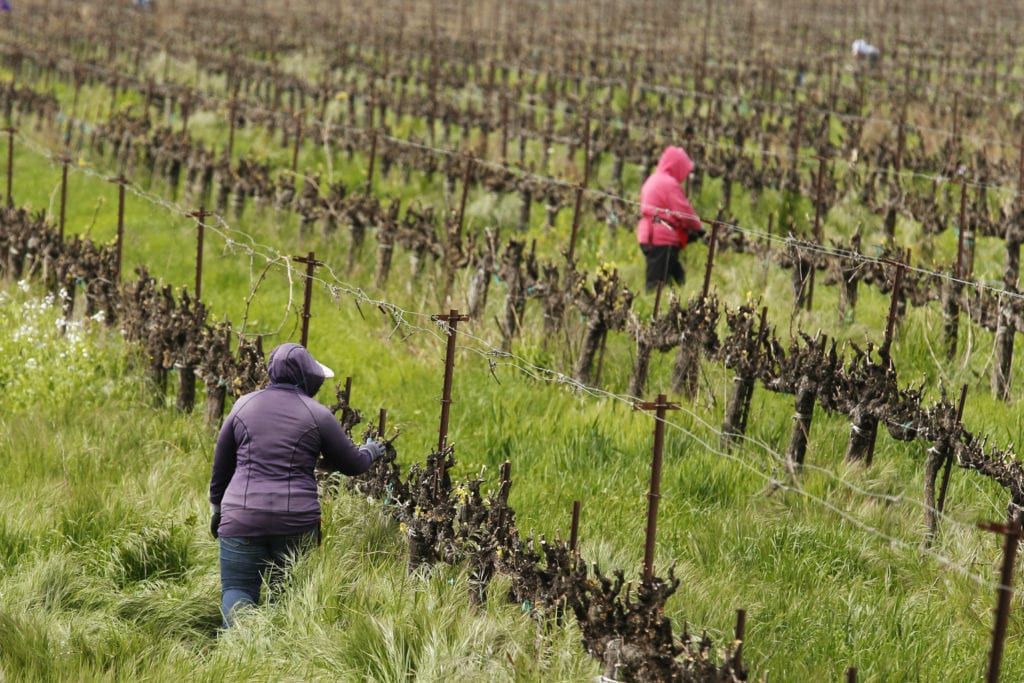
x=662 y=195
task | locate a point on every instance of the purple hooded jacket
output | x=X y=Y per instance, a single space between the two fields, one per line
x=268 y=446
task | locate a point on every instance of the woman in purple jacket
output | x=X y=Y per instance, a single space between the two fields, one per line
x=263 y=491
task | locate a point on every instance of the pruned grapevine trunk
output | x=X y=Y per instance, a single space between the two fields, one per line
x=618 y=164
x=157 y=377
x=861 y=444
x=848 y=288
x=515 y=306
x=638 y=381
x=686 y=369
x=726 y=200
x=216 y=395
x=358 y=232
x=591 y=343
x=186 y=400
x=1005 y=333
x=1006 y=329
x=937 y=455
x=802 y=418
x=801 y=276
x=889 y=226
x=551 y=213
x=479 y=285
x=524 y=210
x=382 y=267
x=68 y=303
x=421 y=552
x=415 y=269
x=951 y=315
x=735 y=423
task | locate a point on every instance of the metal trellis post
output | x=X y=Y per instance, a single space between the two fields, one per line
x=311 y=264
x=654 y=494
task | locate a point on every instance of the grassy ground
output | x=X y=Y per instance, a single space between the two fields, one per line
x=108 y=571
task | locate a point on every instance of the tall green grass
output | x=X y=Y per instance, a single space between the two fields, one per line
x=108 y=571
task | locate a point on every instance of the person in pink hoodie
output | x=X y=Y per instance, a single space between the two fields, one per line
x=667 y=221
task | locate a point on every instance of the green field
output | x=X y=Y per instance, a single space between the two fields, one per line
x=108 y=572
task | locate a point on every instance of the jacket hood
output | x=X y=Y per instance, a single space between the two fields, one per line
x=675 y=162
x=292 y=364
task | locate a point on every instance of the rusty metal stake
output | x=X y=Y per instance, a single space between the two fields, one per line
x=10 y=130
x=960 y=272
x=63 y=192
x=373 y=158
x=113 y=96
x=199 y=215
x=741 y=624
x=796 y=144
x=570 y=254
x=119 y=244
x=817 y=228
x=574 y=529
x=504 y=128
x=711 y=259
x=657 y=299
x=586 y=151
x=298 y=142
x=956 y=130
x=121 y=181
x=1004 y=592
x=819 y=201
x=185 y=107
x=382 y=421
x=654 y=494
x=229 y=149
x=890 y=323
x=900 y=142
x=453 y=318
x=311 y=263
x=600 y=359
x=1020 y=171
x=466 y=180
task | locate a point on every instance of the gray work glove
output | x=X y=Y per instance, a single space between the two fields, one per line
x=214 y=519
x=375 y=449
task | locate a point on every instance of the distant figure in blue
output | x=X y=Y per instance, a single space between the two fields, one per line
x=5 y=6
x=141 y=4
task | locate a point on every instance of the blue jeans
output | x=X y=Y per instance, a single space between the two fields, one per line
x=246 y=563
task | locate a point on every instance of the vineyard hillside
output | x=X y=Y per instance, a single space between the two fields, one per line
x=798 y=464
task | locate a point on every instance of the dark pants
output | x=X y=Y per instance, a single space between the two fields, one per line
x=662 y=265
x=245 y=563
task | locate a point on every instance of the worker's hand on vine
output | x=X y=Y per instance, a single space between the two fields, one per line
x=375 y=449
